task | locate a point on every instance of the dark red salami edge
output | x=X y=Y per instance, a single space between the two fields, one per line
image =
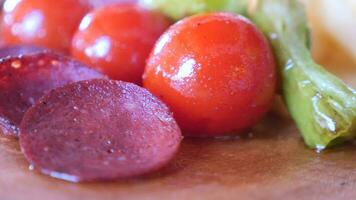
x=20 y=50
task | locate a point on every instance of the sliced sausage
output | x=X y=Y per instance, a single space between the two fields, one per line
x=20 y=50
x=23 y=80
x=99 y=130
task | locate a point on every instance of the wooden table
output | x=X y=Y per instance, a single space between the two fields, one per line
x=269 y=163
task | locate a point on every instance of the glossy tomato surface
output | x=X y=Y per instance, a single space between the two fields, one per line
x=117 y=40
x=47 y=23
x=216 y=72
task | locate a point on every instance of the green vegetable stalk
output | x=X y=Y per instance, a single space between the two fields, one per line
x=323 y=107
x=178 y=9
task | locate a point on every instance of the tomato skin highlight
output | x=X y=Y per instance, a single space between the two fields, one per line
x=43 y=23
x=215 y=71
x=117 y=40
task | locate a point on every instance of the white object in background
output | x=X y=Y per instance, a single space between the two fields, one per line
x=338 y=18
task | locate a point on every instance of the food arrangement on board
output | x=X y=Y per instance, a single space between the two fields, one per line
x=106 y=90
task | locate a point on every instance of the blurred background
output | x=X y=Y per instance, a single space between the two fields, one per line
x=334 y=35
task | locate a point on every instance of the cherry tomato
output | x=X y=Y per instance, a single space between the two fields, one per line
x=117 y=40
x=48 y=23
x=216 y=72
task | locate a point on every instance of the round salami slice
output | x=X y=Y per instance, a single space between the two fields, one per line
x=99 y=130
x=20 y=50
x=23 y=80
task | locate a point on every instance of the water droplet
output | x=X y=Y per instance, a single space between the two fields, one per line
x=323 y=119
x=100 y=48
x=305 y=83
x=273 y=36
x=319 y=148
x=31 y=100
x=62 y=176
x=16 y=64
x=40 y=62
x=54 y=62
x=121 y=158
x=86 y=21
x=46 y=149
x=289 y=65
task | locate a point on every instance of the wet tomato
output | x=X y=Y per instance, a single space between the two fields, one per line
x=117 y=40
x=41 y=22
x=216 y=72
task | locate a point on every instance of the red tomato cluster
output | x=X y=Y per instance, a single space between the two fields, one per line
x=215 y=71
x=41 y=22
x=117 y=40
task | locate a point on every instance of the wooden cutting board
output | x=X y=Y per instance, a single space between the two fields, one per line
x=269 y=163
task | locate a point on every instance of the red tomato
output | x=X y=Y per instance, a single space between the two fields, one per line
x=216 y=72
x=117 y=40
x=48 y=23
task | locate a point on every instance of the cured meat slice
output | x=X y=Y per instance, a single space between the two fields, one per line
x=99 y=130
x=23 y=80
x=20 y=50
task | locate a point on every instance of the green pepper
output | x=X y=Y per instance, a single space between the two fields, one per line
x=178 y=9
x=322 y=106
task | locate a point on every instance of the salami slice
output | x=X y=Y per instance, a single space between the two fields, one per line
x=99 y=130
x=20 y=50
x=23 y=80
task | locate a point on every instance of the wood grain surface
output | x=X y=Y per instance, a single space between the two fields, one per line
x=271 y=162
